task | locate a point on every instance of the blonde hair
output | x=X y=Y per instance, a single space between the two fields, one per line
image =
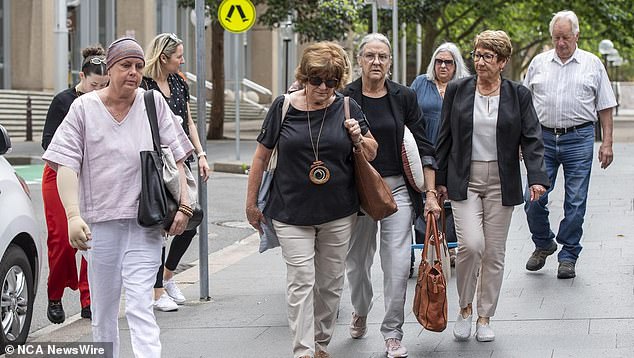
x=162 y=44
x=325 y=59
x=495 y=40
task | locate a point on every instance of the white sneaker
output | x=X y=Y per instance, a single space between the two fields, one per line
x=394 y=348
x=173 y=291
x=462 y=327
x=484 y=333
x=165 y=304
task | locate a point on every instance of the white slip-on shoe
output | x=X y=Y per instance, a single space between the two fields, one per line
x=165 y=304
x=462 y=327
x=484 y=332
x=174 y=292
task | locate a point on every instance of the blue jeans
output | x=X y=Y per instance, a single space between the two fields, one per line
x=573 y=151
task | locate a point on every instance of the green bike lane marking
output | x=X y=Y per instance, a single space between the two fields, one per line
x=32 y=174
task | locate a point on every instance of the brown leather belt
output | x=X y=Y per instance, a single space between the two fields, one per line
x=560 y=131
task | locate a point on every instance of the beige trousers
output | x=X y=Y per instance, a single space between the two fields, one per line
x=315 y=263
x=482 y=225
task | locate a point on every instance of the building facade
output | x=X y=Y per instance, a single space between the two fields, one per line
x=29 y=40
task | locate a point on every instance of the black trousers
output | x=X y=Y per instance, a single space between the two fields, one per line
x=179 y=245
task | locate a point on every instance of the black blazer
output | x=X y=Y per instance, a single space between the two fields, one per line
x=406 y=111
x=517 y=127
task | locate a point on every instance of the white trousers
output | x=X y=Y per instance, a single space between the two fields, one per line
x=482 y=225
x=315 y=258
x=395 y=253
x=124 y=254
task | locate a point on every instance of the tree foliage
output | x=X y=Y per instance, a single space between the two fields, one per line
x=526 y=22
x=314 y=20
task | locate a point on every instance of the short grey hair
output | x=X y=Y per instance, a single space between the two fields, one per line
x=375 y=36
x=565 y=15
x=460 y=68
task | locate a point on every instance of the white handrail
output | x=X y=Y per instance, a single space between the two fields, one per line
x=256 y=87
x=245 y=82
x=192 y=77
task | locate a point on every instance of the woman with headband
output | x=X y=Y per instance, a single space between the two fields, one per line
x=96 y=154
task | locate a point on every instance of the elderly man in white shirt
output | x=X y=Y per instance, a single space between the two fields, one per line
x=570 y=86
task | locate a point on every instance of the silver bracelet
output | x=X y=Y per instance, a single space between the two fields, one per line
x=202 y=154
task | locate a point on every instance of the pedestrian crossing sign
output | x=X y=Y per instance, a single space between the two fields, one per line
x=236 y=16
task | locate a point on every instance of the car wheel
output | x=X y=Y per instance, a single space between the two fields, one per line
x=16 y=307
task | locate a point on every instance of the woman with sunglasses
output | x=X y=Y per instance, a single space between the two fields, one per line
x=61 y=256
x=313 y=201
x=446 y=64
x=486 y=121
x=389 y=108
x=164 y=58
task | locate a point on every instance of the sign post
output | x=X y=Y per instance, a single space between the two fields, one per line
x=237 y=16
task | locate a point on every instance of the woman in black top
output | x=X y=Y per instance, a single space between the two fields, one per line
x=164 y=57
x=312 y=201
x=61 y=256
x=389 y=108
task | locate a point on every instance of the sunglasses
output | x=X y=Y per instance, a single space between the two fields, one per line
x=317 y=81
x=95 y=61
x=169 y=38
x=441 y=62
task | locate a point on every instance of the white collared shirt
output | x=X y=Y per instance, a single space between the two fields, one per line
x=571 y=93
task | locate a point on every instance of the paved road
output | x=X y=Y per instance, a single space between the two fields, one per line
x=227 y=225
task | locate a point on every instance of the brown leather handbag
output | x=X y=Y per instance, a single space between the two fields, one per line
x=430 y=299
x=375 y=196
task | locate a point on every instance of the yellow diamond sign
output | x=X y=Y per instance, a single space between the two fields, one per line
x=236 y=15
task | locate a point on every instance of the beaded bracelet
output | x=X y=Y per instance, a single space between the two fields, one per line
x=189 y=212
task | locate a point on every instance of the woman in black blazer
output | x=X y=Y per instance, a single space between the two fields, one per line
x=486 y=120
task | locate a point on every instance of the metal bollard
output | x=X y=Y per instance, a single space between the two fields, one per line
x=29 y=120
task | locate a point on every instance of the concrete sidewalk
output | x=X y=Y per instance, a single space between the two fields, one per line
x=538 y=315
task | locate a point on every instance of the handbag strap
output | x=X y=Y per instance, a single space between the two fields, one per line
x=431 y=230
x=150 y=109
x=346 y=113
x=443 y=216
x=273 y=160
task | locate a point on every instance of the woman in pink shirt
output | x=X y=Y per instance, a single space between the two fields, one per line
x=96 y=154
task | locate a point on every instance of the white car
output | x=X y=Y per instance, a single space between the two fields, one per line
x=20 y=251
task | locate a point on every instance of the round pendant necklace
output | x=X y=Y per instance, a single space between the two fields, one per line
x=319 y=173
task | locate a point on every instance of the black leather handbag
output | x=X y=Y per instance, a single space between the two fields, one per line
x=153 y=199
x=156 y=205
